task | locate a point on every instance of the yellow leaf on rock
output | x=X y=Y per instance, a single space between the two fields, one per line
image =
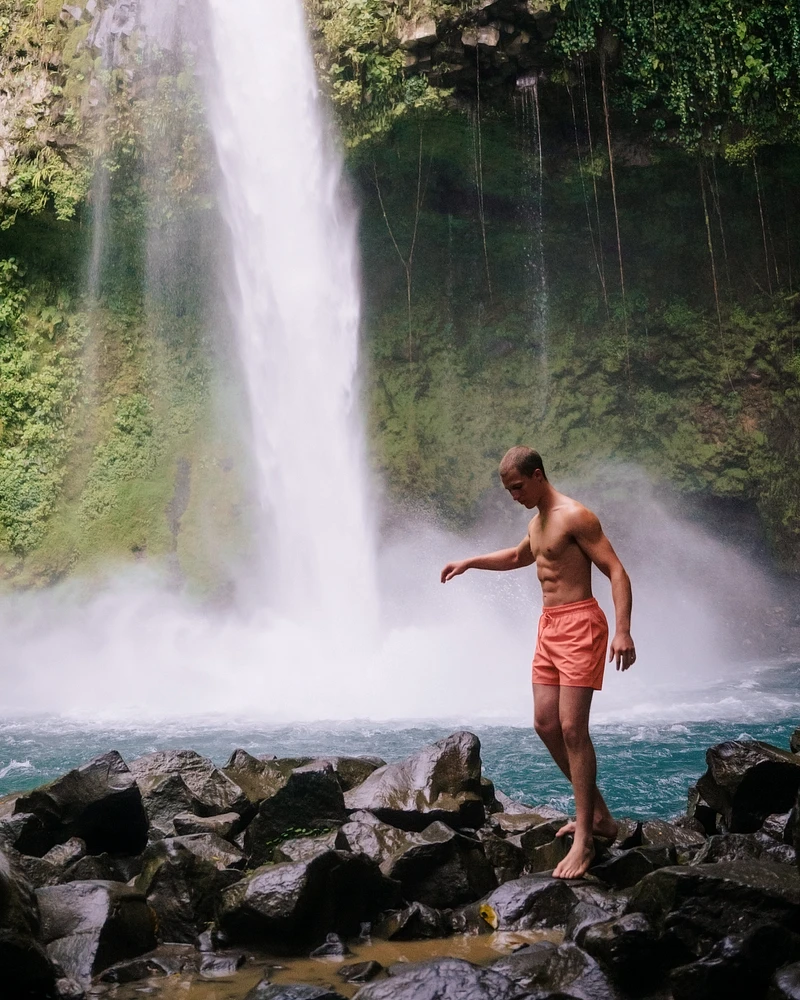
x=489 y=915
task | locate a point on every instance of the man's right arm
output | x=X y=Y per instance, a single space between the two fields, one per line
x=504 y=559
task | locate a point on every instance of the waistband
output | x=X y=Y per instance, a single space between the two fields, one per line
x=567 y=609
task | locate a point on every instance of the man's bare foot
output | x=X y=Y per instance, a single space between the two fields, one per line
x=576 y=863
x=604 y=829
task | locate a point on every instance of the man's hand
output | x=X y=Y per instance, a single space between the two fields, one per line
x=454 y=569
x=623 y=650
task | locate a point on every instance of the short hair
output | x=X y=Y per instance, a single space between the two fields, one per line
x=523 y=460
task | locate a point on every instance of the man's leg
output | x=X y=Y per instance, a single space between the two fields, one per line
x=547 y=723
x=574 y=705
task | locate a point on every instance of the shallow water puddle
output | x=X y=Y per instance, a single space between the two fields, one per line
x=480 y=949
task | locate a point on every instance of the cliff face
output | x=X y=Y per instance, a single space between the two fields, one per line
x=538 y=265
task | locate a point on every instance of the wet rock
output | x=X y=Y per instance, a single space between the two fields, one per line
x=440 y=782
x=509 y=806
x=209 y=847
x=26 y=970
x=182 y=886
x=91 y=868
x=302 y=901
x=629 y=867
x=98 y=802
x=442 y=979
x=88 y=926
x=352 y=771
x=310 y=799
x=531 y=901
x=738 y=967
x=38 y=871
x=660 y=833
x=216 y=966
x=566 y=972
x=359 y=972
x=212 y=792
x=226 y=825
x=259 y=779
x=540 y=824
x=695 y=906
x=776 y=825
x=166 y=960
x=65 y=854
x=306 y=848
x=165 y=796
x=417 y=32
x=627 y=948
x=748 y=780
x=266 y=990
x=544 y=857
x=786 y=983
x=18 y=830
x=18 y=906
x=699 y=812
x=506 y=858
x=416 y=922
x=333 y=946
x=584 y=915
x=794 y=741
x=741 y=846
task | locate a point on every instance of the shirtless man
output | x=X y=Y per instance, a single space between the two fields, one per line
x=564 y=539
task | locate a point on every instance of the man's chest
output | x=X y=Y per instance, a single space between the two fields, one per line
x=551 y=540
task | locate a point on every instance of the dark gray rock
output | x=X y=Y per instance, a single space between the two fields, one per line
x=221 y=966
x=506 y=858
x=165 y=796
x=442 y=979
x=98 y=802
x=742 y=846
x=67 y=853
x=266 y=990
x=414 y=923
x=19 y=910
x=700 y=813
x=543 y=857
x=627 y=868
x=584 y=915
x=92 y=868
x=695 y=906
x=38 y=871
x=333 y=946
x=226 y=825
x=306 y=848
x=627 y=948
x=88 y=926
x=786 y=983
x=351 y=771
x=545 y=820
x=211 y=848
x=532 y=901
x=747 y=780
x=738 y=967
x=302 y=901
x=309 y=799
x=166 y=960
x=259 y=779
x=440 y=782
x=27 y=972
x=777 y=826
x=550 y=972
x=182 y=886
x=794 y=741
x=359 y=972
x=212 y=792
x=661 y=833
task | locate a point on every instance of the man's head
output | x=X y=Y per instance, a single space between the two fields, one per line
x=523 y=475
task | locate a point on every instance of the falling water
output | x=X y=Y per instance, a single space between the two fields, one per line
x=296 y=309
x=528 y=87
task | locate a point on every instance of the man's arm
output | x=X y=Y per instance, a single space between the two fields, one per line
x=589 y=535
x=502 y=560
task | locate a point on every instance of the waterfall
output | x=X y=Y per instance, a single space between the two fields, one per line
x=296 y=310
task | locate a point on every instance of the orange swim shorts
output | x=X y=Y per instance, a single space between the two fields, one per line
x=571 y=645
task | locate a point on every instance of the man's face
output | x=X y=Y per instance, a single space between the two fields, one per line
x=524 y=489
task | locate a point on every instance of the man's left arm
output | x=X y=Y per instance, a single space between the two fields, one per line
x=590 y=537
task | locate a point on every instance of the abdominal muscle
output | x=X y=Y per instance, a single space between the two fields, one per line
x=566 y=579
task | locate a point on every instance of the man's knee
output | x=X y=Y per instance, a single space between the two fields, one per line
x=547 y=727
x=575 y=733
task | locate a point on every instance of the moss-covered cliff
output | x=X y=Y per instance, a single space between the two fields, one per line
x=579 y=226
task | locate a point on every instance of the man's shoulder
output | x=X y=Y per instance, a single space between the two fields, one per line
x=576 y=514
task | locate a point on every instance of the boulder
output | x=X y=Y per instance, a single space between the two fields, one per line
x=226 y=825
x=302 y=901
x=506 y=858
x=415 y=923
x=306 y=848
x=739 y=966
x=441 y=979
x=541 y=824
x=165 y=796
x=421 y=31
x=738 y=846
x=25 y=968
x=331 y=947
x=627 y=948
x=259 y=779
x=65 y=854
x=265 y=990
x=660 y=833
x=794 y=741
x=695 y=906
x=221 y=966
x=211 y=848
x=747 y=780
x=352 y=771
x=359 y=972
x=531 y=901
x=778 y=826
x=786 y=983
x=700 y=813
x=88 y=926
x=98 y=802
x=212 y=792
x=91 y=868
x=38 y=871
x=584 y=915
x=19 y=910
x=548 y=971
x=309 y=800
x=182 y=886
x=166 y=960
x=626 y=868
x=440 y=782
x=543 y=857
